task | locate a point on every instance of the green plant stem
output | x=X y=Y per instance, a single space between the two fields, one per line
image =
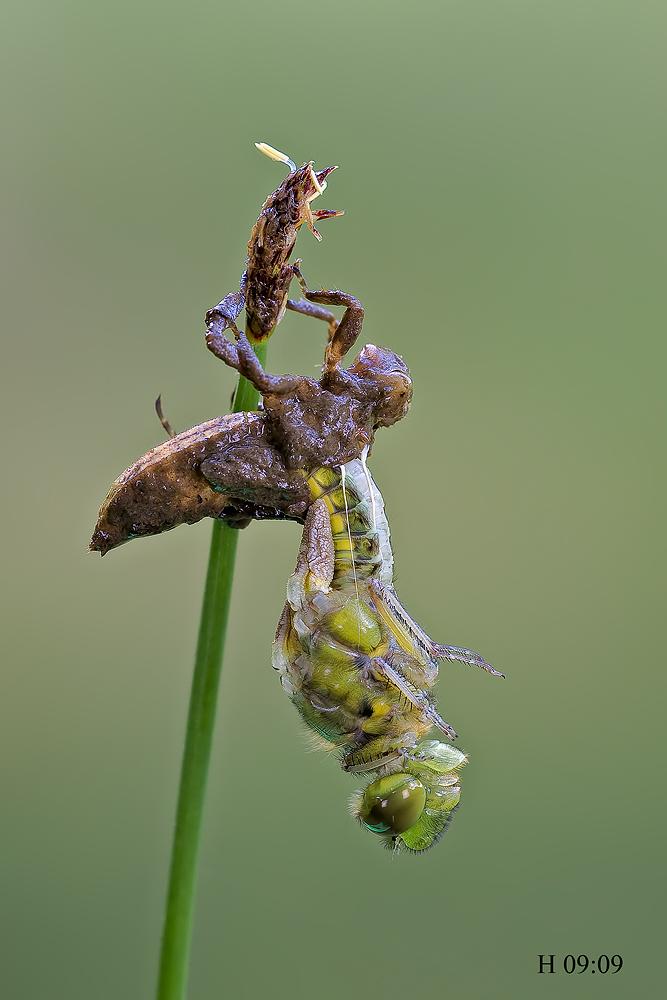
x=177 y=933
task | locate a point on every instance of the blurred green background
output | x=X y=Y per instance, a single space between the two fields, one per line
x=503 y=177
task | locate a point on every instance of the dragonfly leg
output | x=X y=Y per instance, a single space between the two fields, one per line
x=372 y=757
x=223 y=316
x=306 y=308
x=241 y=357
x=462 y=655
x=251 y=368
x=413 y=639
x=342 y=335
x=414 y=697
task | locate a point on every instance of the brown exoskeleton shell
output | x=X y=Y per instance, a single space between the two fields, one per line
x=166 y=487
x=253 y=465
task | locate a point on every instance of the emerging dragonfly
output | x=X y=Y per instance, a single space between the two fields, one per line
x=358 y=668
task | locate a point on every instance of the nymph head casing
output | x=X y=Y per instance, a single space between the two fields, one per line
x=389 y=374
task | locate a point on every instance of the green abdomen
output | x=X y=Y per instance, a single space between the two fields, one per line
x=356 y=539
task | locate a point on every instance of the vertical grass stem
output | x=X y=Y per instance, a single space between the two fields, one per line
x=177 y=932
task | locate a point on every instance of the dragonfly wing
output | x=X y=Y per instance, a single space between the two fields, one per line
x=314 y=569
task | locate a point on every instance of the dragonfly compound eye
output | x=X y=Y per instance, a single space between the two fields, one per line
x=391 y=805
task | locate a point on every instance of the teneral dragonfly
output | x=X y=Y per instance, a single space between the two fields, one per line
x=360 y=670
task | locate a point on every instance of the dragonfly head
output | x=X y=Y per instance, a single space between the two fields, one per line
x=410 y=808
x=391 y=378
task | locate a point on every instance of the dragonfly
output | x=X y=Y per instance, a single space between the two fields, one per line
x=356 y=665
x=361 y=671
